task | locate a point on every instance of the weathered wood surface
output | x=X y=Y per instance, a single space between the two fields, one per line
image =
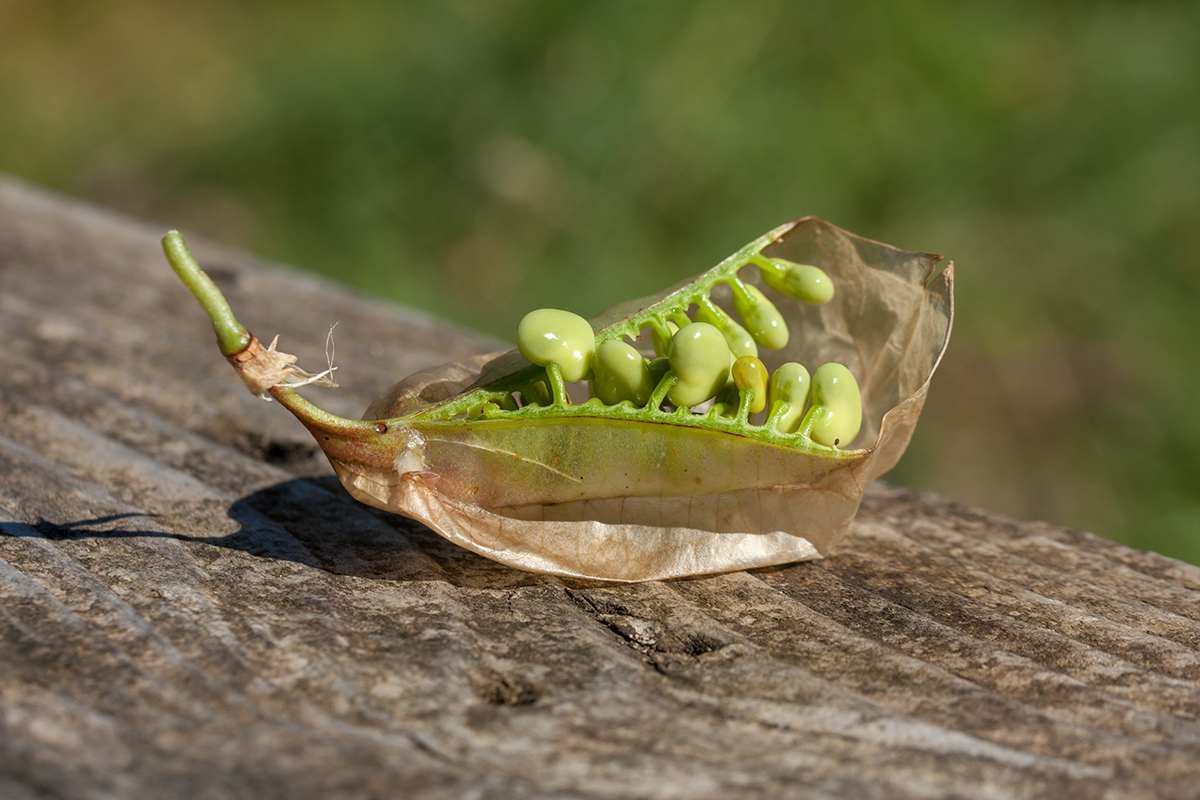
x=191 y=607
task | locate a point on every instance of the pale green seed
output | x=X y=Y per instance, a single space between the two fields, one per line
x=787 y=395
x=750 y=374
x=802 y=282
x=619 y=373
x=550 y=336
x=739 y=340
x=700 y=359
x=837 y=406
x=760 y=315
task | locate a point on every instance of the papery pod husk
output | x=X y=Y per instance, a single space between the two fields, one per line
x=634 y=501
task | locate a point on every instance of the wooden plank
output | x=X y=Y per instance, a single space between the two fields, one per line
x=190 y=606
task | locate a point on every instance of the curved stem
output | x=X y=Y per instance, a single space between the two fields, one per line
x=660 y=391
x=746 y=396
x=232 y=338
x=557 y=385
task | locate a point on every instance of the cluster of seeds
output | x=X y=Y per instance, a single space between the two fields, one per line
x=711 y=358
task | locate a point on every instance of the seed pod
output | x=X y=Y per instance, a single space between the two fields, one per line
x=836 y=413
x=700 y=359
x=625 y=493
x=802 y=282
x=620 y=373
x=762 y=318
x=787 y=396
x=750 y=375
x=740 y=342
x=550 y=336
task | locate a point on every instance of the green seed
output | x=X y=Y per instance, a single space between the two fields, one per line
x=836 y=413
x=550 y=336
x=750 y=375
x=700 y=359
x=802 y=282
x=787 y=396
x=620 y=373
x=740 y=342
x=762 y=318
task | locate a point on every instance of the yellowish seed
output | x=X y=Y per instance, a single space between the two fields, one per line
x=750 y=374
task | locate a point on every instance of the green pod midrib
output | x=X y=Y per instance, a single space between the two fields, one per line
x=626 y=412
x=577 y=457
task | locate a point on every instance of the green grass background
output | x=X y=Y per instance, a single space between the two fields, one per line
x=479 y=158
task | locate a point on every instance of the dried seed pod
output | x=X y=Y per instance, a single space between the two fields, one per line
x=624 y=493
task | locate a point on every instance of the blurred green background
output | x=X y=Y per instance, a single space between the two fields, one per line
x=479 y=158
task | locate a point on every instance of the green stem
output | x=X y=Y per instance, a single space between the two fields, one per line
x=557 y=385
x=660 y=391
x=744 y=401
x=232 y=338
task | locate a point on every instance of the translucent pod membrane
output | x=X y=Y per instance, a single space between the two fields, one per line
x=836 y=414
x=549 y=336
x=620 y=373
x=787 y=396
x=762 y=318
x=700 y=360
x=802 y=282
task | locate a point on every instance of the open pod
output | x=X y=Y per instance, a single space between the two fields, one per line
x=479 y=452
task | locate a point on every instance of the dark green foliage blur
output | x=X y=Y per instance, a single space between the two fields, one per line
x=480 y=158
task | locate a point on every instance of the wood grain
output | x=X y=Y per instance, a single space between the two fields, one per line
x=190 y=606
